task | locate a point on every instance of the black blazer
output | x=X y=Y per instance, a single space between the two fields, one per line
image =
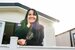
x=38 y=35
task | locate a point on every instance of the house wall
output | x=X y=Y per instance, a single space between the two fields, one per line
x=63 y=39
x=49 y=36
x=13 y=15
x=70 y=41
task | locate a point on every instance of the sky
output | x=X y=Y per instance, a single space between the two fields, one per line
x=63 y=10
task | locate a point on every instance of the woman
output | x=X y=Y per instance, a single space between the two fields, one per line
x=30 y=32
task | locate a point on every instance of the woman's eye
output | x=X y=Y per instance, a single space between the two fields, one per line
x=29 y=14
x=34 y=14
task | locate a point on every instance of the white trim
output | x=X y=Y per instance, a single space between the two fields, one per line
x=2 y=31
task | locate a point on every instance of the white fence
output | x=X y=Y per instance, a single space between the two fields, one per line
x=13 y=46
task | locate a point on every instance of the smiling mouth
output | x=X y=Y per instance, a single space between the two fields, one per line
x=31 y=18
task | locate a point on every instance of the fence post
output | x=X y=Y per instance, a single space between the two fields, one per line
x=13 y=42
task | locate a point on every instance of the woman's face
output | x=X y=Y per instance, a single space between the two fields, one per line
x=31 y=16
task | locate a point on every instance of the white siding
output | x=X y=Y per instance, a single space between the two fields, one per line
x=12 y=16
x=63 y=39
x=49 y=37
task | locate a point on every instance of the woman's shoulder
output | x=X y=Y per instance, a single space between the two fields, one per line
x=22 y=22
x=41 y=26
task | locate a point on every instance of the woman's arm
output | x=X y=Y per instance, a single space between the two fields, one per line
x=41 y=35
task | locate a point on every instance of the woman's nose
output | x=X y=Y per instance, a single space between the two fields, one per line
x=32 y=15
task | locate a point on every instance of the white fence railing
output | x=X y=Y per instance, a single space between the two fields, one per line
x=13 y=46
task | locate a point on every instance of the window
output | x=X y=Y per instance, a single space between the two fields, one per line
x=8 y=31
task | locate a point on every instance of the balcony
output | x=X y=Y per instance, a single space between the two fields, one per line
x=13 y=45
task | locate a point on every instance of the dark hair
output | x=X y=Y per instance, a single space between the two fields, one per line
x=35 y=12
x=36 y=24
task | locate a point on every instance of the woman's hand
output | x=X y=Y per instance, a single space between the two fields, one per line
x=28 y=25
x=22 y=42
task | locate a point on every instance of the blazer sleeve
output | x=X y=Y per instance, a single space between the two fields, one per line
x=21 y=32
x=41 y=35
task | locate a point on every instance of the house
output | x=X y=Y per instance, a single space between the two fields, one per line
x=66 y=38
x=11 y=13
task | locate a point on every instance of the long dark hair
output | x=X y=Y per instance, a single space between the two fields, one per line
x=36 y=24
x=35 y=12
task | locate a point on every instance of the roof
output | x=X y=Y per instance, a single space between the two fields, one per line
x=25 y=7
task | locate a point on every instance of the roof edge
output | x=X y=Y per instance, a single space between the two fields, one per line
x=26 y=7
